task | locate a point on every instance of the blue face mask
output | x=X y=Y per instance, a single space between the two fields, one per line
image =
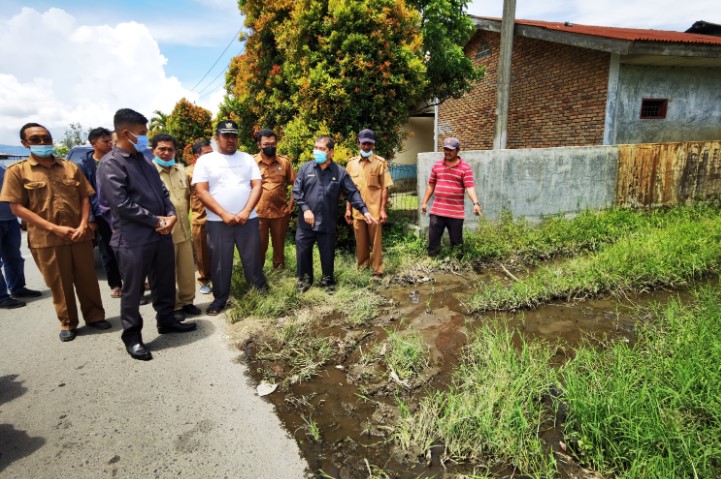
x=320 y=156
x=43 y=151
x=142 y=143
x=166 y=164
x=365 y=154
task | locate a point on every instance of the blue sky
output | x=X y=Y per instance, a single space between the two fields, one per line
x=66 y=61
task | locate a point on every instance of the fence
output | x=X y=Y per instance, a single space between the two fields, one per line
x=403 y=195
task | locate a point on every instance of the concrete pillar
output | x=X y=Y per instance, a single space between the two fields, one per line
x=504 y=74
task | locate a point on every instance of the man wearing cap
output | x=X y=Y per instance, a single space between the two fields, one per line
x=317 y=190
x=228 y=182
x=449 y=178
x=371 y=176
x=275 y=203
x=142 y=217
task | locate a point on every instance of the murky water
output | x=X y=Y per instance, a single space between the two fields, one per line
x=341 y=421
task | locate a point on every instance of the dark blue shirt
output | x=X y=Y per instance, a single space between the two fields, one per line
x=319 y=191
x=87 y=165
x=5 y=213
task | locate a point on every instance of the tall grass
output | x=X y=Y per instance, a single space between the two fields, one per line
x=671 y=250
x=652 y=410
x=492 y=412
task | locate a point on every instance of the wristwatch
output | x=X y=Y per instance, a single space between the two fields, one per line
x=475 y=203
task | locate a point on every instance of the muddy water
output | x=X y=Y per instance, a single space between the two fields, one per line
x=341 y=418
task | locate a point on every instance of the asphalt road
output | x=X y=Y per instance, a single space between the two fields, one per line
x=85 y=409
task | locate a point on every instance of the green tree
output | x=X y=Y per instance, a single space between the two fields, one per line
x=158 y=122
x=189 y=123
x=337 y=66
x=73 y=135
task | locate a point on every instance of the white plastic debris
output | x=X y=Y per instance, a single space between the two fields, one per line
x=265 y=388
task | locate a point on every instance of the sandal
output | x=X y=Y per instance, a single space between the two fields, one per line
x=212 y=311
x=115 y=293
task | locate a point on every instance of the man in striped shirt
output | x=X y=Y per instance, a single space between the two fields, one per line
x=450 y=177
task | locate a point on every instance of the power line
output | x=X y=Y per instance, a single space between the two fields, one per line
x=213 y=80
x=211 y=91
x=235 y=37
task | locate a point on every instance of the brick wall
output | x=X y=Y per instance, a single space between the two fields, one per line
x=558 y=96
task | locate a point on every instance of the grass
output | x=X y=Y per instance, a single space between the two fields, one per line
x=407 y=354
x=668 y=249
x=653 y=410
x=493 y=410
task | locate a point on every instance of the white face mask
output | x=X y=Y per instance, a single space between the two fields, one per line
x=366 y=154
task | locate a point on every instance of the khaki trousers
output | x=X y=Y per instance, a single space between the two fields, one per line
x=200 y=243
x=369 y=245
x=69 y=270
x=278 y=228
x=184 y=274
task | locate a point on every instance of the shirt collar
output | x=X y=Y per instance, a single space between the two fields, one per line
x=34 y=162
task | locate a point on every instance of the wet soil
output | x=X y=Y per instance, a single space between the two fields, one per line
x=342 y=417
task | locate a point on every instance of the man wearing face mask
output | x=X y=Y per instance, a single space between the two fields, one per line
x=228 y=182
x=143 y=217
x=317 y=190
x=53 y=197
x=174 y=178
x=370 y=174
x=275 y=203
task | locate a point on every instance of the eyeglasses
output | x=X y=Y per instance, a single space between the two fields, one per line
x=39 y=140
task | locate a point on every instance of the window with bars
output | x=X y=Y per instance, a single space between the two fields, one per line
x=653 y=108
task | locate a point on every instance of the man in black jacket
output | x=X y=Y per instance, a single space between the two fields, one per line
x=143 y=218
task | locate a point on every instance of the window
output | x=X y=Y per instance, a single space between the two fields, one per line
x=653 y=108
x=484 y=49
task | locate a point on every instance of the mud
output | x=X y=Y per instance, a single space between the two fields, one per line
x=342 y=417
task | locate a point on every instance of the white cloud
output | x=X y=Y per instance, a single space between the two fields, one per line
x=56 y=72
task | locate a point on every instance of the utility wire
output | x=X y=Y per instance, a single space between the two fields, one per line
x=235 y=37
x=213 y=80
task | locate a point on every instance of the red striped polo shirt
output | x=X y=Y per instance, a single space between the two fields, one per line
x=451 y=184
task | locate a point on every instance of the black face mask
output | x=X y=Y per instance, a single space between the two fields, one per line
x=269 y=151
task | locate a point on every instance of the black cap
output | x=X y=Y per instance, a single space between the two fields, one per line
x=226 y=126
x=367 y=136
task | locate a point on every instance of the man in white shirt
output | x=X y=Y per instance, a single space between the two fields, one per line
x=229 y=184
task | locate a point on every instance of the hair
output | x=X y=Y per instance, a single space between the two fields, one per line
x=329 y=143
x=30 y=125
x=96 y=133
x=163 y=137
x=198 y=146
x=265 y=133
x=127 y=117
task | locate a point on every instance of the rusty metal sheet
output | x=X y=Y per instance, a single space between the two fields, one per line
x=656 y=174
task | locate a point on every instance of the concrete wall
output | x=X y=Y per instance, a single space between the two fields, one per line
x=535 y=182
x=694 y=104
x=420 y=138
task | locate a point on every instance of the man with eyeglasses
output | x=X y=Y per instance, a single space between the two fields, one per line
x=174 y=178
x=228 y=183
x=275 y=203
x=53 y=197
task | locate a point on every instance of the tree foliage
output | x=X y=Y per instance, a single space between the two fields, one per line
x=189 y=123
x=158 y=123
x=338 y=66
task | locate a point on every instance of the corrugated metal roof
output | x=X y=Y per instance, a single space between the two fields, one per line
x=629 y=34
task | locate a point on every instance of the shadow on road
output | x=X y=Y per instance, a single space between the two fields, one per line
x=175 y=340
x=14 y=444
x=10 y=388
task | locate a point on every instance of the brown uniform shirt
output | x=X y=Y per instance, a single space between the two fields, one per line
x=176 y=182
x=276 y=178
x=55 y=194
x=198 y=214
x=371 y=177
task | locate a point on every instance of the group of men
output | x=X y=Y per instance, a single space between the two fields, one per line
x=139 y=212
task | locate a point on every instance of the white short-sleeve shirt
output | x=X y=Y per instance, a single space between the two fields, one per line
x=228 y=178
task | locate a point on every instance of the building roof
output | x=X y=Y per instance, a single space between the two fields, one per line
x=705 y=28
x=623 y=41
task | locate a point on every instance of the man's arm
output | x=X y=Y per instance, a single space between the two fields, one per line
x=34 y=219
x=476 y=206
x=253 y=199
x=113 y=185
x=426 y=197
x=355 y=199
x=201 y=189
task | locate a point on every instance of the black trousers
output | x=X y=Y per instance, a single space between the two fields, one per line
x=304 y=240
x=110 y=263
x=435 y=232
x=157 y=262
x=222 y=242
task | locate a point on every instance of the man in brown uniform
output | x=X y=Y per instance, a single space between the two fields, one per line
x=52 y=196
x=198 y=218
x=372 y=178
x=275 y=203
x=174 y=178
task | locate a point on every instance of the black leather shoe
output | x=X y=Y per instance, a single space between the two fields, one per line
x=179 y=315
x=176 y=327
x=67 y=335
x=144 y=300
x=11 y=303
x=102 y=324
x=191 y=310
x=26 y=293
x=138 y=351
